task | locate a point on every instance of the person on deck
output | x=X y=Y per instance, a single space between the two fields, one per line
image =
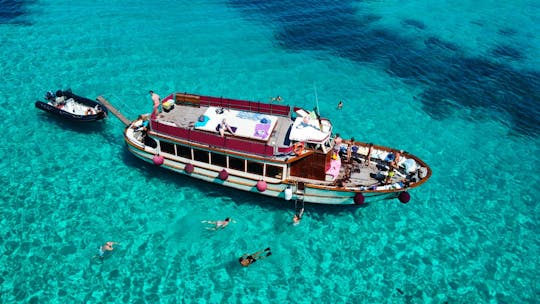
x=349 y=149
x=368 y=156
x=157 y=101
x=224 y=126
x=395 y=162
x=389 y=176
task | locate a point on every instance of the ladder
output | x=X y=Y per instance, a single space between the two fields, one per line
x=299 y=201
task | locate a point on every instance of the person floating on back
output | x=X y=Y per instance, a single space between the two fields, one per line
x=248 y=259
x=218 y=224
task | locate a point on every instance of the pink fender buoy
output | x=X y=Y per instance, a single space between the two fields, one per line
x=359 y=199
x=261 y=186
x=158 y=160
x=189 y=168
x=404 y=197
x=223 y=174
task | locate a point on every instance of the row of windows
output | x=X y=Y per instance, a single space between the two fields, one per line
x=220 y=160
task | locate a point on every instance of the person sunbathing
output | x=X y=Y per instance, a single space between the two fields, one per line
x=224 y=126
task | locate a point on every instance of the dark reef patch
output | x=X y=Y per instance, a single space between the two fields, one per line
x=508 y=52
x=13 y=12
x=414 y=23
x=437 y=42
x=507 y=31
x=452 y=80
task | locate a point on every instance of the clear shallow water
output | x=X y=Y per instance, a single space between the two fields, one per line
x=441 y=82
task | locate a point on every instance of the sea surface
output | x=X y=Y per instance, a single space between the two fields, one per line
x=456 y=83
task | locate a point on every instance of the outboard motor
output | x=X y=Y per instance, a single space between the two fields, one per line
x=59 y=93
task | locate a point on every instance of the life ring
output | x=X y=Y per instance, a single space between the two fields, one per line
x=298 y=148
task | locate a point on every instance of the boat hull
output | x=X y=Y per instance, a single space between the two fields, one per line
x=67 y=115
x=48 y=107
x=310 y=194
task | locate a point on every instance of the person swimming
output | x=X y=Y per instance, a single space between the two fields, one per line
x=104 y=250
x=218 y=224
x=248 y=259
x=298 y=217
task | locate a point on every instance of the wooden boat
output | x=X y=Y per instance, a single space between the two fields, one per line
x=67 y=105
x=271 y=150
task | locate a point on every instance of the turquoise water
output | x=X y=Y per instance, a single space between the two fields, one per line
x=456 y=84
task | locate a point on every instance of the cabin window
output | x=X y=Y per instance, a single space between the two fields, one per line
x=183 y=151
x=274 y=171
x=219 y=160
x=255 y=168
x=167 y=147
x=237 y=164
x=200 y=155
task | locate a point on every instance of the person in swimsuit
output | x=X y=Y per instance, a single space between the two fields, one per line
x=105 y=249
x=390 y=175
x=224 y=126
x=368 y=156
x=395 y=162
x=248 y=259
x=219 y=224
x=157 y=101
x=298 y=216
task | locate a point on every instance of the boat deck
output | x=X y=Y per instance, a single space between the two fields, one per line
x=187 y=117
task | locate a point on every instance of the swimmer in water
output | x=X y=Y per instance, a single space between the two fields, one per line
x=248 y=259
x=298 y=216
x=105 y=250
x=218 y=224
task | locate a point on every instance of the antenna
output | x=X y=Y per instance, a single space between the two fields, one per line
x=316 y=98
x=317 y=112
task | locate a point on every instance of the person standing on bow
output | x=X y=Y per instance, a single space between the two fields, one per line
x=157 y=101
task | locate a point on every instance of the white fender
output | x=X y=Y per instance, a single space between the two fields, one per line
x=288 y=193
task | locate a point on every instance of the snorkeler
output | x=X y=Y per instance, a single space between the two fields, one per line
x=219 y=224
x=248 y=259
